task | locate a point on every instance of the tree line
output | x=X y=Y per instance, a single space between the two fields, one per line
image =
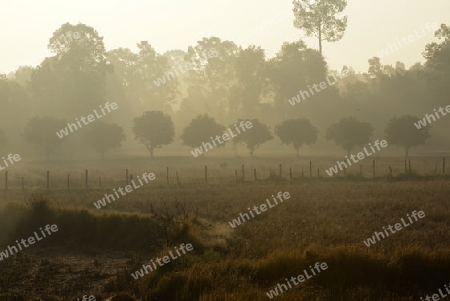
x=235 y=83
x=154 y=129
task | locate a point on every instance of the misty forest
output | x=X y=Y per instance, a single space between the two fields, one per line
x=223 y=172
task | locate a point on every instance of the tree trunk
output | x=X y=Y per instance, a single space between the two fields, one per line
x=320 y=39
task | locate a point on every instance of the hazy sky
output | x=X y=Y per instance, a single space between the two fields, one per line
x=26 y=26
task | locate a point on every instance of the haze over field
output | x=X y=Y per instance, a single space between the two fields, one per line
x=220 y=150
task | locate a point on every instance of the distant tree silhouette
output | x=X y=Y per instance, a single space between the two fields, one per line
x=252 y=138
x=296 y=132
x=401 y=131
x=200 y=130
x=102 y=136
x=153 y=129
x=349 y=133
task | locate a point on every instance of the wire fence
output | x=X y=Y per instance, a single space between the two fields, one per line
x=170 y=176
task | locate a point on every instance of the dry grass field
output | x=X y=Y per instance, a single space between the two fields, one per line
x=325 y=220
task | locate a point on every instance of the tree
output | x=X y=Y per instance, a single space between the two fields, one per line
x=102 y=136
x=294 y=68
x=252 y=138
x=245 y=94
x=74 y=78
x=349 y=133
x=153 y=129
x=401 y=131
x=200 y=130
x=40 y=131
x=319 y=18
x=296 y=132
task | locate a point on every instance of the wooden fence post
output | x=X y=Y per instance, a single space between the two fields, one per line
x=303 y=175
x=406 y=170
x=68 y=181
x=409 y=163
x=310 y=168
x=178 y=179
x=6 y=180
x=243 y=173
x=100 y=182
x=86 y=184
x=290 y=173
x=23 y=186
x=254 y=174
x=206 y=174
x=373 y=169
x=235 y=174
x=48 y=179
x=318 y=173
x=360 y=170
x=126 y=176
x=281 y=166
x=443 y=166
x=167 y=175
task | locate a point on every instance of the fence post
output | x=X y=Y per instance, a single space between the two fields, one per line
x=254 y=174
x=100 y=182
x=406 y=170
x=6 y=180
x=178 y=179
x=373 y=169
x=68 y=182
x=360 y=170
x=318 y=173
x=310 y=168
x=167 y=175
x=48 y=179
x=23 y=186
x=206 y=174
x=443 y=166
x=243 y=173
x=86 y=179
x=303 y=175
x=281 y=166
x=409 y=163
x=290 y=173
x=235 y=174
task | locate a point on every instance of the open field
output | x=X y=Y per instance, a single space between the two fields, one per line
x=95 y=252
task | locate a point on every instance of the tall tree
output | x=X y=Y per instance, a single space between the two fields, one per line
x=73 y=80
x=401 y=131
x=350 y=133
x=320 y=18
x=249 y=71
x=213 y=70
x=297 y=132
x=102 y=136
x=294 y=68
x=153 y=129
